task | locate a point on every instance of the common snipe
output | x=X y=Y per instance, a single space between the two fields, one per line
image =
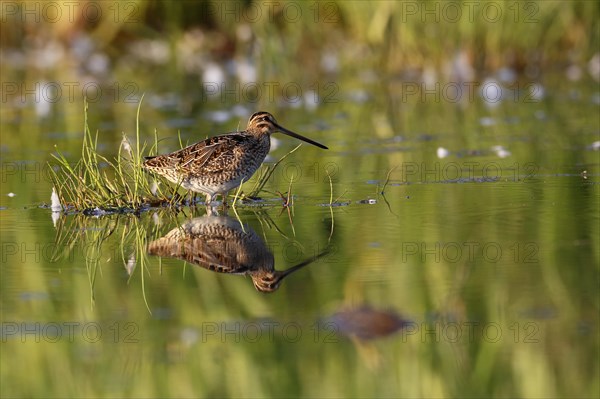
x=223 y=245
x=219 y=164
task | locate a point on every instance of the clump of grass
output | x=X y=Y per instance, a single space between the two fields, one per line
x=117 y=185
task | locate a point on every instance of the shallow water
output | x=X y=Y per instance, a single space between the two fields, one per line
x=457 y=254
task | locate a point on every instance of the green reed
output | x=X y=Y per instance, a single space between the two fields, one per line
x=97 y=182
x=265 y=173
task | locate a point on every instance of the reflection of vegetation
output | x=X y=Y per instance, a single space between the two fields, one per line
x=89 y=236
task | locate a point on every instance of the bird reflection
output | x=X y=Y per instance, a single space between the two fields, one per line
x=222 y=244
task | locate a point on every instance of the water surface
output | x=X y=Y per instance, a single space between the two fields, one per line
x=457 y=255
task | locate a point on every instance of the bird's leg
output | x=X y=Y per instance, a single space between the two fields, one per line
x=179 y=199
x=225 y=195
x=211 y=211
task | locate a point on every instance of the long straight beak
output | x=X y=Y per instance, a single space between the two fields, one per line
x=297 y=136
x=300 y=265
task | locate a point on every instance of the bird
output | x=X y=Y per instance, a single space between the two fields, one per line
x=221 y=163
x=222 y=244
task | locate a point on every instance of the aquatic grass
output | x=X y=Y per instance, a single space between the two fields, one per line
x=330 y=207
x=333 y=202
x=387 y=181
x=135 y=237
x=237 y=193
x=91 y=237
x=95 y=182
x=330 y=189
x=97 y=185
x=265 y=173
x=233 y=205
x=288 y=204
x=78 y=234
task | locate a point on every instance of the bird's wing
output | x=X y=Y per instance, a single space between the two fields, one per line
x=209 y=151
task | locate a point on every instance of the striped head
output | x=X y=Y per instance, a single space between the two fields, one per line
x=261 y=123
x=268 y=282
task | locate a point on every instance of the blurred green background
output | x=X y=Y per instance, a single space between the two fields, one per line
x=482 y=117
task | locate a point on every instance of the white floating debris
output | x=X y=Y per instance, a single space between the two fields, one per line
x=55 y=216
x=240 y=111
x=536 y=92
x=55 y=201
x=487 y=121
x=156 y=219
x=442 y=152
x=189 y=336
x=213 y=75
x=329 y=62
x=48 y=55
x=156 y=51
x=126 y=144
x=359 y=96
x=154 y=188
x=507 y=75
x=595 y=146
x=44 y=92
x=368 y=201
x=220 y=116
x=429 y=76
x=130 y=265
x=11 y=195
x=246 y=72
x=98 y=63
x=491 y=92
x=501 y=151
x=311 y=100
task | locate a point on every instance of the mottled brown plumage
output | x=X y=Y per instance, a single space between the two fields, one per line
x=221 y=244
x=219 y=164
